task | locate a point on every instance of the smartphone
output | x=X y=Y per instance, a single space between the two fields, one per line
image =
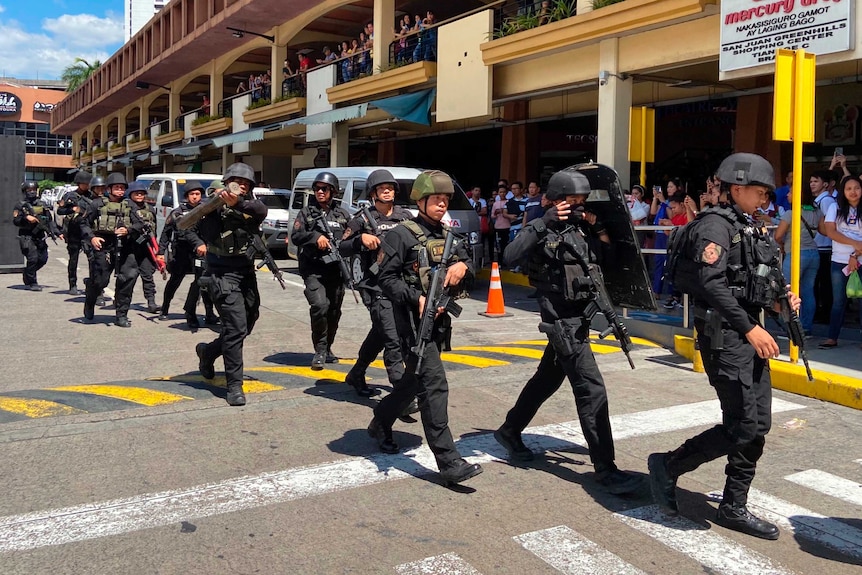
x=839 y=151
x=656 y=189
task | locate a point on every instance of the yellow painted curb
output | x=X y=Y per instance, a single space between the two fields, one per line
x=831 y=387
x=506 y=277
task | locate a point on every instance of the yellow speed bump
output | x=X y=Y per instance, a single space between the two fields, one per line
x=248 y=385
x=516 y=351
x=36 y=408
x=139 y=395
x=305 y=372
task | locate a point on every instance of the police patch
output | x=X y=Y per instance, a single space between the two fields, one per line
x=347 y=233
x=15 y=214
x=711 y=253
x=380 y=257
x=297 y=224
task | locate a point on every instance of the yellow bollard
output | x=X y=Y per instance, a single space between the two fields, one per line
x=696 y=360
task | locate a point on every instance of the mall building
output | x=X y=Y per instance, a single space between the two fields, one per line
x=25 y=110
x=488 y=89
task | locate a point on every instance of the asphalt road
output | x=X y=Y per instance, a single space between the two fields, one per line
x=118 y=458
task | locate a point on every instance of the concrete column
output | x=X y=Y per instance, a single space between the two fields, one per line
x=384 y=23
x=227 y=158
x=145 y=120
x=121 y=128
x=173 y=110
x=519 y=146
x=615 y=102
x=278 y=54
x=339 y=146
x=216 y=89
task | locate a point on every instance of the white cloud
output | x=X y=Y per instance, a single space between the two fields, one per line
x=2 y=8
x=44 y=54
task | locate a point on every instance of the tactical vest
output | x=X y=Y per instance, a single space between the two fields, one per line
x=753 y=266
x=112 y=215
x=558 y=266
x=429 y=253
x=235 y=238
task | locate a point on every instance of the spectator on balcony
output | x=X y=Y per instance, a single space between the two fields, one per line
x=240 y=88
x=429 y=52
x=267 y=85
x=304 y=65
x=401 y=34
x=545 y=13
x=346 y=64
x=205 y=105
x=328 y=56
x=362 y=61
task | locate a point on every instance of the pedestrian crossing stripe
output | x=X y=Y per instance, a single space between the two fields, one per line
x=829 y=484
x=36 y=408
x=573 y=554
x=446 y=564
x=249 y=385
x=139 y=395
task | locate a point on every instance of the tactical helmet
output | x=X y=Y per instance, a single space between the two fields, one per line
x=136 y=187
x=191 y=186
x=327 y=178
x=431 y=182
x=29 y=186
x=568 y=182
x=97 y=181
x=116 y=178
x=746 y=169
x=214 y=185
x=240 y=170
x=82 y=177
x=378 y=177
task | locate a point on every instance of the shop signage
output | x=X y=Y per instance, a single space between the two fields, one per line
x=9 y=103
x=752 y=30
x=40 y=107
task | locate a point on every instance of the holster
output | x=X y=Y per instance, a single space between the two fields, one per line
x=712 y=327
x=561 y=336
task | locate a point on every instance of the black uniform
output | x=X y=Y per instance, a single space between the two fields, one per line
x=31 y=238
x=564 y=292
x=180 y=245
x=324 y=284
x=231 y=282
x=383 y=335
x=400 y=283
x=72 y=230
x=725 y=249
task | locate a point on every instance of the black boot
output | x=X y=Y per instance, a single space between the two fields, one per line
x=357 y=382
x=211 y=318
x=165 y=315
x=235 y=395
x=123 y=321
x=192 y=321
x=383 y=436
x=319 y=359
x=73 y=289
x=739 y=518
x=460 y=471
x=662 y=483
x=152 y=307
x=331 y=357
x=205 y=365
x=511 y=440
x=89 y=311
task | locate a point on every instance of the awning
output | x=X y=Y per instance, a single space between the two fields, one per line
x=250 y=135
x=332 y=116
x=415 y=107
x=142 y=157
x=192 y=149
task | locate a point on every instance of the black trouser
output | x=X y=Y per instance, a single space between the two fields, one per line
x=742 y=383
x=179 y=269
x=74 y=250
x=502 y=242
x=35 y=251
x=591 y=397
x=101 y=267
x=432 y=390
x=823 y=286
x=236 y=297
x=324 y=293
x=383 y=336
x=132 y=264
x=146 y=268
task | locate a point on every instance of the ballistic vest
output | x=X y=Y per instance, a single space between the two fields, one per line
x=558 y=265
x=429 y=254
x=235 y=238
x=112 y=215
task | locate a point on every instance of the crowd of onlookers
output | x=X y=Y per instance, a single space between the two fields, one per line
x=831 y=232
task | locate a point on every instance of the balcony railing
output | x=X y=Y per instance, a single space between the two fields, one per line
x=513 y=16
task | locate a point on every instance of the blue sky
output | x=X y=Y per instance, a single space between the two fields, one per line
x=39 y=38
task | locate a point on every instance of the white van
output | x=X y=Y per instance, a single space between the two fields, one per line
x=166 y=191
x=276 y=226
x=351 y=181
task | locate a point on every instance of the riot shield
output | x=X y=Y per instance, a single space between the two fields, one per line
x=626 y=277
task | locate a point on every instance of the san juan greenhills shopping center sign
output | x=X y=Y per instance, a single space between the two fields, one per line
x=752 y=30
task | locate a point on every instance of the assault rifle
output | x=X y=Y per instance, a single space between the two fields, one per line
x=259 y=248
x=791 y=321
x=118 y=250
x=438 y=297
x=369 y=219
x=334 y=254
x=40 y=223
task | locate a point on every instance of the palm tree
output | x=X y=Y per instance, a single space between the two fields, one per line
x=77 y=73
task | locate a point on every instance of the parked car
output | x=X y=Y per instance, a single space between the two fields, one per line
x=276 y=226
x=166 y=191
x=461 y=216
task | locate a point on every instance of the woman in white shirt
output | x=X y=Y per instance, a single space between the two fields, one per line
x=843 y=226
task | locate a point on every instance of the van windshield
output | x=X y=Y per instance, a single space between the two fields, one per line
x=275 y=201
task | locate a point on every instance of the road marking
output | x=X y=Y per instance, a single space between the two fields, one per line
x=805 y=523
x=36 y=408
x=447 y=564
x=306 y=372
x=829 y=484
x=472 y=360
x=249 y=385
x=93 y=520
x=134 y=394
x=716 y=552
x=516 y=351
x=573 y=554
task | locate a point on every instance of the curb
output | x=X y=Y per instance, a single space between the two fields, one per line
x=831 y=387
x=506 y=277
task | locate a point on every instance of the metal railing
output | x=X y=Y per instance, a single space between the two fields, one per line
x=294 y=85
x=164 y=126
x=513 y=16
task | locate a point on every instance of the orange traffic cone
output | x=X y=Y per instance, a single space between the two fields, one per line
x=496 y=307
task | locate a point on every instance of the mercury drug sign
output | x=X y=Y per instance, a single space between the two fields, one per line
x=752 y=30
x=9 y=103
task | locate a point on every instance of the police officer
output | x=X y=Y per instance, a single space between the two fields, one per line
x=720 y=266
x=146 y=267
x=135 y=256
x=555 y=249
x=186 y=251
x=320 y=270
x=361 y=240
x=32 y=218
x=230 y=280
x=105 y=226
x=400 y=282
x=72 y=206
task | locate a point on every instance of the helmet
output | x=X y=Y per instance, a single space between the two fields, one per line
x=97 y=181
x=431 y=182
x=214 y=185
x=191 y=186
x=136 y=187
x=116 y=178
x=568 y=182
x=327 y=178
x=746 y=169
x=240 y=170
x=378 y=177
x=82 y=177
x=29 y=186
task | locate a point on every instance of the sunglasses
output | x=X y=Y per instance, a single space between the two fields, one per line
x=322 y=188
